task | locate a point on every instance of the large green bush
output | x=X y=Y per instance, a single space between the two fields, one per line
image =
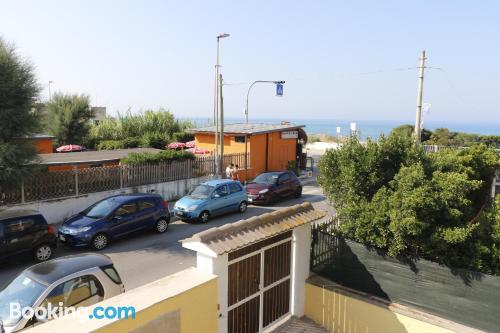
x=154 y=128
x=392 y=195
x=156 y=158
x=183 y=137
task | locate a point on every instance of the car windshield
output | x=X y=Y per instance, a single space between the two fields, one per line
x=201 y=191
x=101 y=209
x=23 y=291
x=266 y=178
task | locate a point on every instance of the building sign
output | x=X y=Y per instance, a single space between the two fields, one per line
x=290 y=134
x=279 y=89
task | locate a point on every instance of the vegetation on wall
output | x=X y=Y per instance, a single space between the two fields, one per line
x=156 y=158
x=153 y=128
x=68 y=118
x=18 y=93
x=392 y=195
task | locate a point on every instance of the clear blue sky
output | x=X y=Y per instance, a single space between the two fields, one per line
x=147 y=54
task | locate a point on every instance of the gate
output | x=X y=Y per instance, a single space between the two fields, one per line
x=259 y=284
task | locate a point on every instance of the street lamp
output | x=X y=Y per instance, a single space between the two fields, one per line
x=248 y=93
x=217 y=103
x=50 y=92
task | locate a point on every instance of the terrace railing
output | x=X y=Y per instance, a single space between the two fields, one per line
x=44 y=185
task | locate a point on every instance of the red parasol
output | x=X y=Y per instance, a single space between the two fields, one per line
x=198 y=151
x=69 y=148
x=176 y=145
x=190 y=144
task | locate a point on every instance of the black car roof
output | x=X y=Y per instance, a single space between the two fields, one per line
x=50 y=271
x=9 y=214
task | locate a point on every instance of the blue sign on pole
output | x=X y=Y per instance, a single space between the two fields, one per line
x=279 y=89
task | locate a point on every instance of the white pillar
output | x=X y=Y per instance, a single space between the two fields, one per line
x=217 y=266
x=301 y=248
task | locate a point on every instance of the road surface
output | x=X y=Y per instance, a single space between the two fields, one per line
x=144 y=258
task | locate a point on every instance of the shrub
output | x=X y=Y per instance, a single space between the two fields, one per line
x=109 y=145
x=154 y=140
x=132 y=142
x=156 y=158
x=183 y=137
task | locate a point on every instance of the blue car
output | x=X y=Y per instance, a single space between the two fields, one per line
x=115 y=217
x=214 y=197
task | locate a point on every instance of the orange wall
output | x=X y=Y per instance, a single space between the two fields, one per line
x=79 y=166
x=280 y=151
x=44 y=146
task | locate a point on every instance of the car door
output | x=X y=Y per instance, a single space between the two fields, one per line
x=146 y=210
x=4 y=249
x=219 y=201
x=283 y=185
x=124 y=220
x=19 y=235
x=235 y=196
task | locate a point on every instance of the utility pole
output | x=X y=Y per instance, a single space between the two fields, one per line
x=418 y=118
x=50 y=91
x=221 y=122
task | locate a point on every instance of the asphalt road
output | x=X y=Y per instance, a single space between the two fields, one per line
x=146 y=257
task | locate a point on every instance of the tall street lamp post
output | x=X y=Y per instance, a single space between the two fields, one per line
x=218 y=92
x=50 y=91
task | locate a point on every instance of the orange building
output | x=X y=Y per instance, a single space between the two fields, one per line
x=270 y=147
x=44 y=143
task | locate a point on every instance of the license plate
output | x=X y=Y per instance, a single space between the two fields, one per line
x=180 y=213
x=62 y=238
x=250 y=199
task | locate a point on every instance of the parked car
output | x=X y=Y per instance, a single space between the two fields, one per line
x=268 y=187
x=115 y=217
x=75 y=281
x=211 y=198
x=26 y=232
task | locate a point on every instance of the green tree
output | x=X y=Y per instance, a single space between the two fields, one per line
x=18 y=93
x=407 y=130
x=391 y=195
x=68 y=118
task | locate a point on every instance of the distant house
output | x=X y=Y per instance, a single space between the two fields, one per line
x=44 y=143
x=270 y=146
x=88 y=159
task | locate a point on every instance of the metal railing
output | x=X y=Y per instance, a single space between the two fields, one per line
x=44 y=185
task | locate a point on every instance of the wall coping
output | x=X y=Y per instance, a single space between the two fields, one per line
x=141 y=298
x=404 y=310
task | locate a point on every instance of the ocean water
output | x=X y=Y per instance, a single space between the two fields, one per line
x=366 y=128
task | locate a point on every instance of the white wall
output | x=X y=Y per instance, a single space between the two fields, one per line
x=57 y=210
x=301 y=246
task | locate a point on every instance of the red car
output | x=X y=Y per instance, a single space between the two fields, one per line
x=271 y=186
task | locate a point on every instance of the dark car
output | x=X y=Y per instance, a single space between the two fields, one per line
x=271 y=186
x=26 y=232
x=73 y=281
x=115 y=217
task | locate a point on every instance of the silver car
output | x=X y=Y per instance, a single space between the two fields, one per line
x=72 y=281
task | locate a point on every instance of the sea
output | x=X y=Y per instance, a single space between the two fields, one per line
x=365 y=128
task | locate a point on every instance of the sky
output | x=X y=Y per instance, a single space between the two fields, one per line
x=340 y=59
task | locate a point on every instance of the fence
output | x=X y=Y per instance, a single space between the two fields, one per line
x=60 y=184
x=466 y=297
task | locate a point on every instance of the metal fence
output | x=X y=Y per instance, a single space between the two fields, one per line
x=60 y=184
x=467 y=297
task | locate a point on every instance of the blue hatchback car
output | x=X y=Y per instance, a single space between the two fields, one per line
x=211 y=198
x=115 y=217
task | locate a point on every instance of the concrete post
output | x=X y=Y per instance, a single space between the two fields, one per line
x=301 y=249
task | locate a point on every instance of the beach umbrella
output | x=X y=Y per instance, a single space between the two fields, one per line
x=190 y=144
x=176 y=145
x=198 y=151
x=70 y=148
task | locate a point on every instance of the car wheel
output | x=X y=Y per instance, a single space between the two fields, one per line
x=42 y=253
x=100 y=241
x=204 y=217
x=243 y=207
x=162 y=225
x=298 y=193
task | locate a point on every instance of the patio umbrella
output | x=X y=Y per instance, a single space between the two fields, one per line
x=176 y=145
x=69 y=148
x=198 y=151
x=190 y=144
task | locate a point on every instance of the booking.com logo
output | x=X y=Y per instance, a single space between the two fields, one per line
x=82 y=313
